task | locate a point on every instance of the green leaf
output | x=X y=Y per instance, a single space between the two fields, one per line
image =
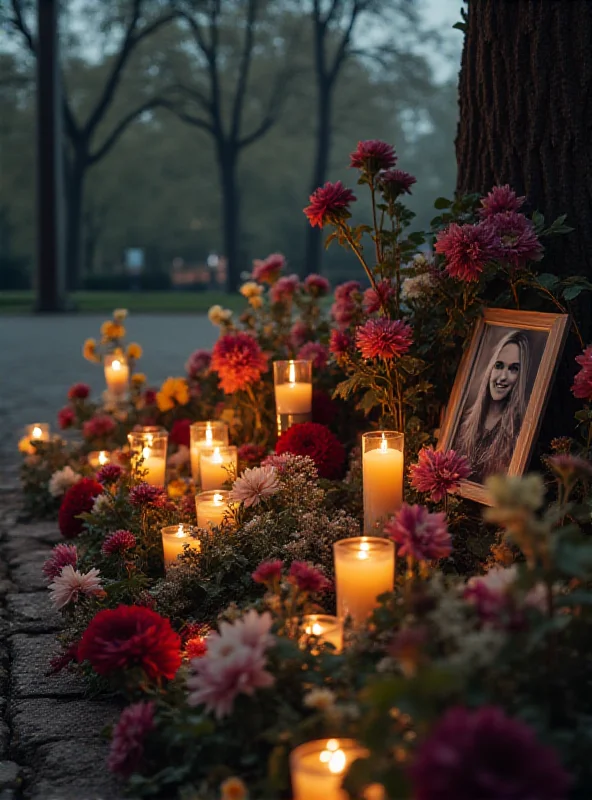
x=442 y=202
x=548 y=280
x=572 y=292
x=369 y=401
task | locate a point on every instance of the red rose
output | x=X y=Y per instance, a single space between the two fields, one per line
x=180 y=432
x=317 y=442
x=78 y=500
x=131 y=636
x=79 y=391
x=66 y=417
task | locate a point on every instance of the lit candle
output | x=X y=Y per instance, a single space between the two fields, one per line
x=98 y=458
x=116 y=375
x=293 y=397
x=317 y=768
x=324 y=628
x=204 y=435
x=38 y=432
x=174 y=538
x=217 y=467
x=211 y=508
x=382 y=465
x=364 y=569
x=151 y=448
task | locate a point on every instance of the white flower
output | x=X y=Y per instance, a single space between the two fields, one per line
x=517 y=491
x=60 y=481
x=70 y=584
x=319 y=699
x=218 y=315
x=101 y=504
x=413 y=288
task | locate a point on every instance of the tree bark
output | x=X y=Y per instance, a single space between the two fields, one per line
x=227 y=165
x=74 y=199
x=314 y=236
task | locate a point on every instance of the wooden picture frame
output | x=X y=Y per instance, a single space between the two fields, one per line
x=547 y=333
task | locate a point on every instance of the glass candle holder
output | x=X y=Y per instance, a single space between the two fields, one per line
x=213 y=433
x=98 y=458
x=38 y=432
x=293 y=392
x=364 y=569
x=151 y=448
x=211 y=508
x=317 y=768
x=382 y=468
x=217 y=466
x=324 y=629
x=174 y=539
x=116 y=375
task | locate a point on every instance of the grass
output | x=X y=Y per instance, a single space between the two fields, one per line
x=139 y=302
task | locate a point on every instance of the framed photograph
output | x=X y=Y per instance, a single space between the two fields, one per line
x=500 y=393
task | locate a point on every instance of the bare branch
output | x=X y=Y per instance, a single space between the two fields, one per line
x=197 y=122
x=244 y=68
x=193 y=93
x=112 y=138
x=19 y=24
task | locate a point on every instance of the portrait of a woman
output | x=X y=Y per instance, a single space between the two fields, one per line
x=490 y=427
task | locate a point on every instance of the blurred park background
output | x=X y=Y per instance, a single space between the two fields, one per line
x=194 y=130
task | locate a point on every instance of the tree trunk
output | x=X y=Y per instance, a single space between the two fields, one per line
x=314 y=236
x=227 y=165
x=74 y=199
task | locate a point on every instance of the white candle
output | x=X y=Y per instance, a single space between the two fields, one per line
x=217 y=467
x=317 y=768
x=204 y=435
x=325 y=629
x=383 y=484
x=156 y=467
x=117 y=376
x=38 y=432
x=364 y=569
x=293 y=397
x=211 y=509
x=98 y=458
x=174 y=539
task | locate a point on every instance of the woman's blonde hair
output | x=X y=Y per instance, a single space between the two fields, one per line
x=499 y=454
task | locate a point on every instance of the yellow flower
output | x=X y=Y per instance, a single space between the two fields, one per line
x=134 y=351
x=164 y=402
x=255 y=302
x=173 y=390
x=120 y=314
x=25 y=445
x=89 y=350
x=138 y=378
x=218 y=315
x=177 y=488
x=112 y=330
x=251 y=289
x=233 y=789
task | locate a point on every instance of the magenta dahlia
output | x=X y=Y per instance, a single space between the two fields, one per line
x=110 y=473
x=268 y=572
x=317 y=442
x=316 y=285
x=268 y=270
x=284 y=289
x=98 y=427
x=144 y=494
x=419 y=534
x=438 y=472
x=517 y=240
x=198 y=363
x=394 y=182
x=582 y=385
x=238 y=360
x=372 y=155
x=127 y=745
x=384 y=338
x=340 y=343
x=375 y=299
x=467 y=249
x=308 y=578
x=329 y=204
x=118 y=542
x=315 y=352
x=499 y=200
x=62 y=555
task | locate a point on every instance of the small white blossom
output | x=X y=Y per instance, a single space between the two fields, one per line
x=319 y=699
x=60 y=481
x=101 y=504
x=413 y=288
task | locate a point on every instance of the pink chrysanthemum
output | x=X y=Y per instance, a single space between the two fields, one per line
x=110 y=473
x=467 y=249
x=485 y=754
x=438 y=472
x=268 y=572
x=373 y=155
x=384 y=338
x=238 y=360
x=299 y=333
x=198 y=363
x=62 y=555
x=144 y=494
x=267 y=270
x=395 y=182
x=118 y=542
x=98 y=427
x=284 y=289
x=315 y=352
x=70 y=584
x=499 y=200
x=582 y=385
x=308 y=578
x=340 y=343
x=79 y=391
x=127 y=745
x=316 y=285
x=66 y=417
x=517 y=240
x=419 y=534
x=374 y=300
x=254 y=485
x=329 y=204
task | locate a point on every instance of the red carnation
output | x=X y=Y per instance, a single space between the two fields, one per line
x=180 y=432
x=373 y=155
x=251 y=454
x=238 y=360
x=317 y=442
x=66 y=417
x=98 y=427
x=131 y=636
x=79 y=499
x=329 y=204
x=79 y=391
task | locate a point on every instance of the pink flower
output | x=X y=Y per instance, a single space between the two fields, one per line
x=251 y=454
x=438 y=472
x=66 y=417
x=268 y=572
x=79 y=391
x=98 y=427
x=284 y=289
x=373 y=155
x=70 y=584
x=315 y=352
x=570 y=467
x=340 y=343
x=375 y=300
x=238 y=360
x=110 y=473
x=329 y=204
x=298 y=334
x=198 y=363
x=118 y=542
x=316 y=285
x=419 y=534
x=144 y=494
x=395 y=182
x=254 y=485
x=127 y=745
x=582 y=385
x=499 y=200
x=268 y=269
x=307 y=578
x=517 y=241
x=384 y=338
x=483 y=754
x=234 y=664
x=491 y=593
x=467 y=249
x=345 y=290
x=62 y=555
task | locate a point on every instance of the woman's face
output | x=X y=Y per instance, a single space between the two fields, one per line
x=505 y=372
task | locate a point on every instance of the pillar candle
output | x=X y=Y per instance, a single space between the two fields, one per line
x=293 y=396
x=217 y=467
x=117 y=376
x=317 y=768
x=211 y=508
x=174 y=537
x=155 y=465
x=364 y=569
x=382 y=467
x=204 y=435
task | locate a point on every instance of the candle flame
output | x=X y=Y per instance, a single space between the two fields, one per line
x=116 y=365
x=149 y=439
x=316 y=629
x=180 y=532
x=217 y=458
x=337 y=762
x=217 y=499
x=37 y=432
x=332 y=745
x=209 y=434
x=292 y=372
x=363 y=551
x=146 y=452
x=103 y=458
x=383 y=444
